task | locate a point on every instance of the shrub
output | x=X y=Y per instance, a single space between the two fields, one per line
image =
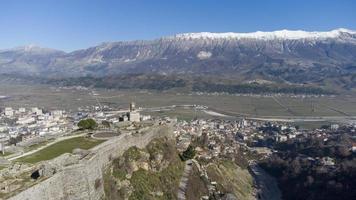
x=188 y=154
x=87 y=124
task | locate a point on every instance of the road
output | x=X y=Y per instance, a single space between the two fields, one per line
x=184 y=180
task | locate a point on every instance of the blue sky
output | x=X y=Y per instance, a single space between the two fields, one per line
x=74 y=24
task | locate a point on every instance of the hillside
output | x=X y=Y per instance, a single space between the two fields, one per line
x=157 y=172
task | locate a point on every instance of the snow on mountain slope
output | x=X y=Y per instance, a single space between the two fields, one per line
x=281 y=34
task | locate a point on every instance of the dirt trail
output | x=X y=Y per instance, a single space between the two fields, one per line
x=184 y=180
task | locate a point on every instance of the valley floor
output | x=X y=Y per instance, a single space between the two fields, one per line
x=344 y=106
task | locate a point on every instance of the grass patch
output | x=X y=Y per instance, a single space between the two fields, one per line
x=57 y=149
x=6 y=154
x=311 y=125
x=119 y=173
x=161 y=183
x=231 y=179
x=145 y=183
x=133 y=153
x=38 y=145
x=181 y=114
x=196 y=185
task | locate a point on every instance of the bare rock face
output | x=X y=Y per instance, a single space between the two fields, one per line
x=229 y=196
x=15 y=169
x=158 y=162
x=81 y=152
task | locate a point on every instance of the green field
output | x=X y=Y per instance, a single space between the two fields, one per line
x=180 y=113
x=311 y=125
x=6 y=154
x=57 y=149
x=38 y=145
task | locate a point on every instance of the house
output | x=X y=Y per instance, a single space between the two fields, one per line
x=22 y=110
x=334 y=127
x=353 y=148
x=327 y=161
x=9 y=112
x=281 y=138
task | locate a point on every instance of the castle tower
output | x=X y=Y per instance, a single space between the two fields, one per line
x=132 y=106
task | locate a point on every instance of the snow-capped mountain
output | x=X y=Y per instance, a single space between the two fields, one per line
x=289 y=56
x=275 y=35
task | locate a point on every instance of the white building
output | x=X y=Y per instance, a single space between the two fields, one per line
x=25 y=120
x=334 y=126
x=37 y=111
x=3 y=128
x=145 y=117
x=134 y=116
x=57 y=113
x=281 y=138
x=22 y=110
x=9 y=112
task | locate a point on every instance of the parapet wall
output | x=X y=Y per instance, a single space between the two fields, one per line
x=85 y=180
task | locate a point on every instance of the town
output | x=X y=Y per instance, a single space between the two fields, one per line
x=245 y=142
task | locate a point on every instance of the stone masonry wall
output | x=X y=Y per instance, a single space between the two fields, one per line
x=85 y=180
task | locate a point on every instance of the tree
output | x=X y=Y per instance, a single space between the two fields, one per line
x=106 y=123
x=87 y=124
x=15 y=140
x=188 y=154
x=343 y=151
x=325 y=126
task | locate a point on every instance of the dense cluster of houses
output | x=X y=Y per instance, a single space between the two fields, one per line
x=213 y=134
x=31 y=122
x=217 y=135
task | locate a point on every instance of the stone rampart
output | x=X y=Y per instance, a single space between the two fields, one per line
x=85 y=179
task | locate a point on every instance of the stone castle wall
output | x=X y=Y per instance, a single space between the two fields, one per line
x=85 y=180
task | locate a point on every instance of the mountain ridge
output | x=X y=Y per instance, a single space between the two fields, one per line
x=328 y=59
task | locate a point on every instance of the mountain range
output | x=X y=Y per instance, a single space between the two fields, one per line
x=326 y=59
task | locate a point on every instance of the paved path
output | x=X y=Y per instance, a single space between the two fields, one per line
x=44 y=146
x=184 y=180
